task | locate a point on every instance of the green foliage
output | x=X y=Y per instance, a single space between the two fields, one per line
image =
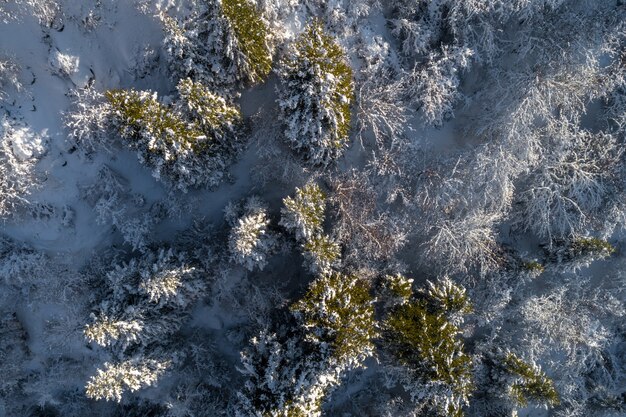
x=324 y=252
x=532 y=384
x=420 y=334
x=209 y=111
x=399 y=286
x=202 y=118
x=252 y=33
x=316 y=95
x=294 y=409
x=338 y=310
x=177 y=139
x=591 y=245
x=427 y=341
x=305 y=211
x=321 y=51
x=140 y=116
x=533 y=267
x=448 y=297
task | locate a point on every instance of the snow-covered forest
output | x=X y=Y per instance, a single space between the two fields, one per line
x=294 y=208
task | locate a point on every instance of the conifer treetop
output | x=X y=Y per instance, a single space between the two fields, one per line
x=420 y=335
x=304 y=213
x=140 y=116
x=316 y=97
x=112 y=381
x=210 y=111
x=338 y=310
x=532 y=384
x=251 y=33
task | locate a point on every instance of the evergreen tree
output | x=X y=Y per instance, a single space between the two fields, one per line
x=576 y=252
x=333 y=327
x=530 y=384
x=145 y=304
x=189 y=142
x=448 y=297
x=249 y=241
x=223 y=44
x=106 y=331
x=316 y=94
x=304 y=213
x=420 y=336
x=396 y=290
x=210 y=112
x=252 y=36
x=287 y=378
x=321 y=254
x=115 y=379
x=338 y=310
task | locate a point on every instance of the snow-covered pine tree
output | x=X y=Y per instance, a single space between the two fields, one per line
x=286 y=376
x=252 y=36
x=334 y=326
x=506 y=383
x=186 y=144
x=449 y=298
x=106 y=331
x=223 y=44
x=315 y=95
x=418 y=334
x=115 y=379
x=304 y=215
x=338 y=310
x=145 y=304
x=395 y=290
x=209 y=111
x=576 y=252
x=321 y=254
x=250 y=242
x=530 y=383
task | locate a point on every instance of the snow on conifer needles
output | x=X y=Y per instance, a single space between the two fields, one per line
x=285 y=208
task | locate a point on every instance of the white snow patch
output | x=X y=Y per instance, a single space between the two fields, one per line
x=63 y=64
x=26 y=144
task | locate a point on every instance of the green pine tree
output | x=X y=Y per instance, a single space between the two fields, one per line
x=338 y=310
x=252 y=35
x=531 y=384
x=317 y=95
x=419 y=334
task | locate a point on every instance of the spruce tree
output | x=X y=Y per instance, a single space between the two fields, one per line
x=316 y=94
x=187 y=143
x=290 y=375
x=250 y=242
x=419 y=334
x=338 y=310
x=145 y=304
x=530 y=383
x=223 y=44
x=115 y=379
x=304 y=213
